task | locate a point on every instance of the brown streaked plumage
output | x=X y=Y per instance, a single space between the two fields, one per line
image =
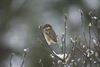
x=49 y=34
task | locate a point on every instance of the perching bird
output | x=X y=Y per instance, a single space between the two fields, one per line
x=49 y=34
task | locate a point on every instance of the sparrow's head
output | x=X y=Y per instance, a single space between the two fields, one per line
x=47 y=27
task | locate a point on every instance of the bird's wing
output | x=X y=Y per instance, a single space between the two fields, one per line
x=52 y=35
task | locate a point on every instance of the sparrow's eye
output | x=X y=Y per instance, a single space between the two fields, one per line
x=46 y=29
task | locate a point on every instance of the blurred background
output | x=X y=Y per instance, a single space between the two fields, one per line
x=19 y=21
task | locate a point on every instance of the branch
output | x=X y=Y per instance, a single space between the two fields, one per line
x=65 y=23
x=12 y=54
x=25 y=53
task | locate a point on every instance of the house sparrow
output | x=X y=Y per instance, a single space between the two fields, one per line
x=49 y=34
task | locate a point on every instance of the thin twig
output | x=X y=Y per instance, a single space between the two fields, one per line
x=40 y=61
x=89 y=35
x=23 y=59
x=65 y=23
x=11 y=59
x=62 y=43
x=82 y=20
x=82 y=16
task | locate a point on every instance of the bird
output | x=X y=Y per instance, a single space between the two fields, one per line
x=49 y=34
